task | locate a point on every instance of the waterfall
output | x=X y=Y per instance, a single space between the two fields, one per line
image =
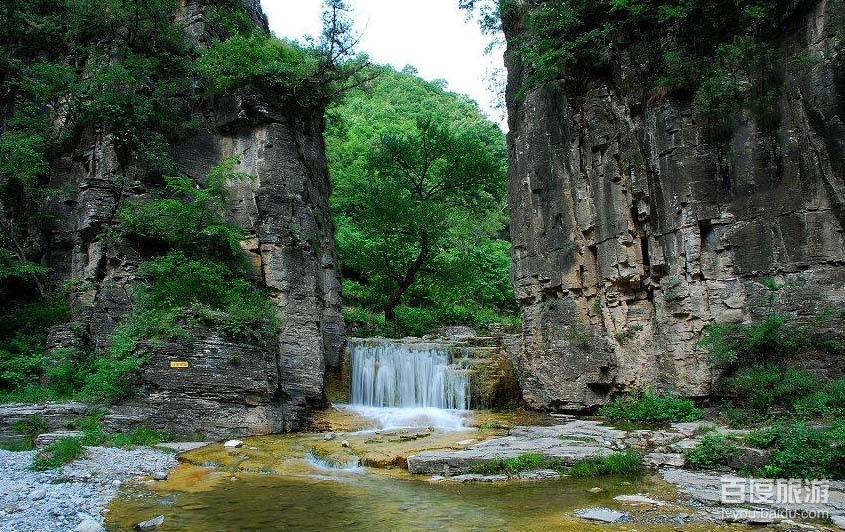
x=412 y=375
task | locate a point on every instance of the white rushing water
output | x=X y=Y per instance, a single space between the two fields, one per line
x=408 y=385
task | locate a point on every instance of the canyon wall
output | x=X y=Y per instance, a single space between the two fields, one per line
x=631 y=232
x=228 y=387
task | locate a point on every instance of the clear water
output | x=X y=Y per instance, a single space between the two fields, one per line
x=398 y=375
x=322 y=500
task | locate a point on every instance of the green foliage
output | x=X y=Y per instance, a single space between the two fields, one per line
x=762 y=387
x=23 y=331
x=143 y=437
x=649 y=407
x=722 y=53
x=510 y=466
x=259 y=62
x=30 y=428
x=729 y=344
x=619 y=464
x=799 y=450
x=189 y=218
x=418 y=192
x=284 y=70
x=714 y=450
x=57 y=454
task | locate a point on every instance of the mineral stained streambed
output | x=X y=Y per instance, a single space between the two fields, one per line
x=305 y=482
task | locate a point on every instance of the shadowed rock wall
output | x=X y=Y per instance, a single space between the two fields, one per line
x=631 y=232
x=284 y=208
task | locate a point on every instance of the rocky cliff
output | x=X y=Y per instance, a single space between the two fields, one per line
x=632 y=231
x=228 y=387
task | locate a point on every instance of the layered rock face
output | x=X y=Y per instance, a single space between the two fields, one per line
x=631 y=232
x=227 y=387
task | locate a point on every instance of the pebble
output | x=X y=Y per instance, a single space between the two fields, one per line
x=72 y=497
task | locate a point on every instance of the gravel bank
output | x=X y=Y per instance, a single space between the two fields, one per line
x=63 y=499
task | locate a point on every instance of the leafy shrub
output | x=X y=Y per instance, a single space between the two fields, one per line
x=23 y=332
x=729 y=344
x=139 y=437
x=621 y=464
x=762 y=387
x=649 y=407
x=802 y=451
x=57 y=454
x=510 y=466
x=713 y=451
x=257 y=61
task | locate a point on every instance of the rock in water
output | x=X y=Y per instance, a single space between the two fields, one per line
x=603 y=515
x=233 y=444
x=638 y=499
x=150 y=524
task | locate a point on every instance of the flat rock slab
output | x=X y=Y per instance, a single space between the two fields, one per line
x=638 y=499
x=707 y=487
x=664 y=459
x=602 y=515
x=182 y=446
x=50 y=437
x=565 y=443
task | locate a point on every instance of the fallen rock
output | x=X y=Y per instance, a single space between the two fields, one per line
x=344 y=443
x=89 y=525
x=150 y=524
x=539 y=474
x=638 y=499
x=749 y=458
x=233 y=444
x=664 y=459
x=602 y=515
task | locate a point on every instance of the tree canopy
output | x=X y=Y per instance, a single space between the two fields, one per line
x=419 y=180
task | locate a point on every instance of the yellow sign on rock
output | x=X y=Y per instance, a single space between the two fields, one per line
x=179 y=364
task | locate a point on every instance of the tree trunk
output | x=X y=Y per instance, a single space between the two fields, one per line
x=407 y=280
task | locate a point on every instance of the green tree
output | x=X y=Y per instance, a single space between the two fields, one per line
x=418 y=178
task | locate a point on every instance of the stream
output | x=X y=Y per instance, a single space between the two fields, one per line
x=402 y=401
